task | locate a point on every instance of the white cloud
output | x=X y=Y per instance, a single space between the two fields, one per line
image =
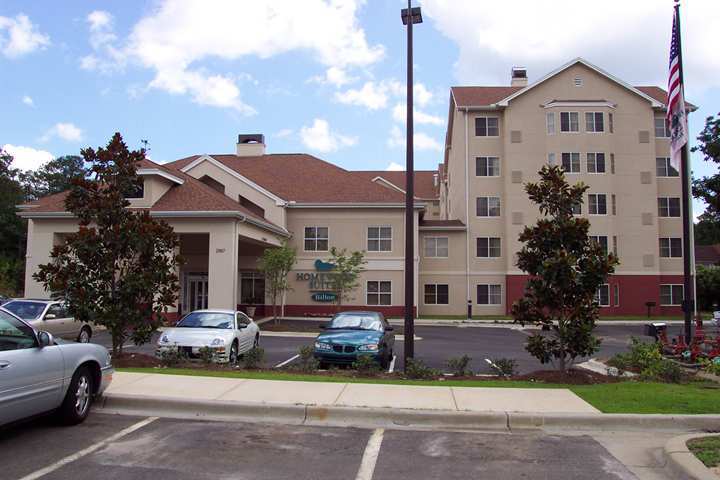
x=18 y=36
x=27 y=100
x=420 y=117
x=372 y=95
x=99 y=20
x=628 y=39
x=421 y=95
x=178 y=34
x=395 y=167
x=106 y=57
x=319 y=137
x=65 y=131
x=335 y=76
x=284 y=133
x=421 y=140
x=27 y=158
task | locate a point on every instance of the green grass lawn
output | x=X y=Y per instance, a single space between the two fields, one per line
x=707 y=450
x=623 y=397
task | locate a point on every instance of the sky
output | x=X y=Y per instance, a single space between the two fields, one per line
x=325 y=77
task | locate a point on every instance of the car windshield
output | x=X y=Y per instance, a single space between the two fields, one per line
x=26 y=310
x=355 y=322
x=206 y=320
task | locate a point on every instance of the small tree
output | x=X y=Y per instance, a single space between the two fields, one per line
x=708 y=287
x=566 y=269
x=346 y=273
x=276 y=264
x=119 y=269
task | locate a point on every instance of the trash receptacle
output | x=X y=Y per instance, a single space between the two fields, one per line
x=653 y=329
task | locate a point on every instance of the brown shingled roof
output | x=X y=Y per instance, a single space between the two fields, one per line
x=481 y=96
x=424 y=181
x=707 y=254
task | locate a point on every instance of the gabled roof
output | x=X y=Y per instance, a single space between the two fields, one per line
x=481 y=96
x=424 y=181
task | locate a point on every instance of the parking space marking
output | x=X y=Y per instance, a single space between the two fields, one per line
x=369 y=459
x=392 y=364
x=87 y=451
x=282 y=364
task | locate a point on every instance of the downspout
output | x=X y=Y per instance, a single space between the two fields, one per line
x=467 y=217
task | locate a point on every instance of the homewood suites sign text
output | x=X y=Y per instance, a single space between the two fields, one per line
x=320 y=282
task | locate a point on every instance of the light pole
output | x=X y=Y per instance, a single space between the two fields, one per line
x=409 y=17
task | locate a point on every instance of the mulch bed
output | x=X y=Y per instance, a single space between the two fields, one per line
x=571 y=377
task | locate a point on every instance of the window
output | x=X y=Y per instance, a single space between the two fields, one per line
x=252 y=288
x=137 y=190
x=488 y=206
x=569 y=122
x=551 y=159
x=16 y=335
x=601 y=240
x=671 y=248
x=577 y=209
x=316 y=239
x=379 y=239
x=668 y=207
x=594 y=122
x=487 y=167
x=242 y=320
x=671 y=294
x=662 y=130
x=252 y=206
x=486 y=127
x=616 y=294
x=550 y=122
x=571 y=162
x=663 y=168
x=488 y=247
x=602 y=296
x=597 y=204
x=436 y=247
x=612 y=127
x=596 y=163
x=614 y=205
x=56 y=310
x=379 y=293
x=488 y=295
x=437 y=295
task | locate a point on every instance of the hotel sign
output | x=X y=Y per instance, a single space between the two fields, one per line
x=320 y=282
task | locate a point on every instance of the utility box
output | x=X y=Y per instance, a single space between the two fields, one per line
x=654 y=329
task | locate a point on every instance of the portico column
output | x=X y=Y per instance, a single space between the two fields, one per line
x=223 y=266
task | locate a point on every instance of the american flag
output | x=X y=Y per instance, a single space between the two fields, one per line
x=677 y=119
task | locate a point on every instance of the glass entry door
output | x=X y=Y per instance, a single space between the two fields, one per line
x=196 y=292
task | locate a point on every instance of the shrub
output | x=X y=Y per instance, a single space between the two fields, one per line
x=366 y=365
x=711 y=366
x=663 y=371
x=172 y=357
x=253 y=358
x=505 y=367
x=416 y=369
x=207 y=355
x=308 y=362
x=459 y=366
x=642 y=355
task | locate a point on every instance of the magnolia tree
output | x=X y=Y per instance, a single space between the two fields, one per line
x=119 y=269
x=566 y=268
x=346 y=273
x=276 y=264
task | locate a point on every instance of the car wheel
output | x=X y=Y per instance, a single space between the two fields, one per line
x=233 y=358
x=76 y=405
x=85 y=335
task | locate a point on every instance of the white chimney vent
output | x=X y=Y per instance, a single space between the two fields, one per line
x=518 y=77
x=250 y=145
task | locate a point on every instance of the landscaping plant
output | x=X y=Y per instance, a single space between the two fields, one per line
x=276 y=264
x=307 y=361
x=253 y=358
x=172 y=357
x=460 y=366
x=505 y=367
x=366 y=365
x=346 y=273
x=207 y=355
x=417 y=370
x=566 y=268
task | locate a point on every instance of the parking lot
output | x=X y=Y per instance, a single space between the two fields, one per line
x=126 y=447
x=436 y=344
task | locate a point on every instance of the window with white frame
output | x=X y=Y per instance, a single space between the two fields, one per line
x=597 y=204
x=488 y=247
x=671 y=247
x=602 y=295
x=664 y=168
x=488 y=206
x=671 y=295
x=551 y=159
x=550 y=123
x=379 y=239
x=486 y=127
x=596 y=163
x=436 y=247
x=487 y=167
x=437 y=294
x=379 y=292
x=601 y=240
x=668 y=206
x=489 y=295
x=316 y=239
x=594 y=122
x=569 y=122
x=662 y=129
x=577 y=209
x=571 y=162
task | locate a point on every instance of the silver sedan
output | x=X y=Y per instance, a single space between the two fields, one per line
x=39 y=374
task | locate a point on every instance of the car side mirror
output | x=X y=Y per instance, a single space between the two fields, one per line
x=389 y=328
x=50 y=316
x=45 y=339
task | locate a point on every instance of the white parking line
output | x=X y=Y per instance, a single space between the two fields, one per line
x=82 y=453
x=369 y=459
x=392 y=364
x=282 y=364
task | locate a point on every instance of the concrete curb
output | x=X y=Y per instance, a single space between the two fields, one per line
x=395 y=417
x=681 y=460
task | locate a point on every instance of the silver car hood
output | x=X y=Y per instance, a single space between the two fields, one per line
x=195 y=337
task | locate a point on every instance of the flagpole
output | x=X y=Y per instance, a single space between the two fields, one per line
x=686 y=205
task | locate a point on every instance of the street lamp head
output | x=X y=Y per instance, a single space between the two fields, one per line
x=414 y=13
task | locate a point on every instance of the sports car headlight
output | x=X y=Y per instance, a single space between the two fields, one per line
x=217 y=342
x=164 y=339
x=368 y=348
x=322 y=346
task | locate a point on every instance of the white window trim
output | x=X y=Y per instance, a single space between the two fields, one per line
x=607 y=241
x=488 y=216
x=487 y=157
x=599 y=298
x=436 y=249
x=486 y=127
x=670 y=247
x=436 y=295
x=586 y=124
x=606 y=205
x=569 y=123
x=367 y=233
x=665 y=129
x=668 y=208
x=560 y=164
x=549 y=115
x=378 y=293
x=672 y=299
x=488 y=258
x=316 y=226
x=667 y=168
x=595 y=172
x=488 y=304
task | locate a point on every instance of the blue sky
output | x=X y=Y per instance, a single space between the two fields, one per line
x=319 y=76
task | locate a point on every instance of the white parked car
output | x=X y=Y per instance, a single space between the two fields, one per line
x=50 y=316
x=227 y=333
